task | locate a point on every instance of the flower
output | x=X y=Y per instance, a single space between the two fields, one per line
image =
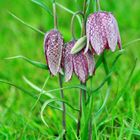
x=53 y=46
x=80 y=63
x=102 y=32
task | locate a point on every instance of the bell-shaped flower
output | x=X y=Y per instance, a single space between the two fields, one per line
x=102 y=32
x=53 y=46
x=81 y=64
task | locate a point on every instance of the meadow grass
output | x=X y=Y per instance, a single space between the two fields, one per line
x=115 y=111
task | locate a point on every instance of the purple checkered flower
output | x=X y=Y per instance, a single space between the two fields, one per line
x=81 y=64
x=102 y=32
x=53 y=46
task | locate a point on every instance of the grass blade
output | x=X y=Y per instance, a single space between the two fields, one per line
x=35 y=97
x=50 y=101
x=61 y=135
x=104 y=120
x=50 y=91
x=124 y=88
x=42 y=91
x=44 y=6
x=102 y=84
x=20 y=88
x=104 y=103
x=88 y=5
x=133 y=131
x=68 y=87
x=27 y=92
x=131 y=42
x=26 y=24
x=65 y=8
x=35 y=63
x=109 y=75
x=99 y=61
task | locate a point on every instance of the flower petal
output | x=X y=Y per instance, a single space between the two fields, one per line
x=116 y=28
x=91 y=63
x=119 y=41
x=96 y=32
x=53 y=45
x=111 y=29
x=68 y=64
x=80 y=66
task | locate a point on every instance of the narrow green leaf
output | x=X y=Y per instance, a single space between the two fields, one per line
x=68 y=87
x=99 y=61
x=24 y=23
x=69 y=11
x=124 y=88
x=43 y=5
x=50 y=91
x=20 y=88
x=108 y=91
x=73 y=131
x=102 y=84
x=37 y=88
x=131 y=42
x=122 y=92
x=30 y=94
x=133 y=131
x=44 y=92
x=35 y=63
x=104 y=103
x=88 y=5
x=50 y=101
x=61 y=135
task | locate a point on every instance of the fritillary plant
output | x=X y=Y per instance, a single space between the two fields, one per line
x=77 y=57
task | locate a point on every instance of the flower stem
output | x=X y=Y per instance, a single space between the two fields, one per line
x=60 y=79
x=84 y=19
x=82 y=96
x=80 y=114
x=82 y=92
x=91 y=107
x=54 y=14
x=98 y=4
x=72 y=23
x=63 y=107
x=90 y=129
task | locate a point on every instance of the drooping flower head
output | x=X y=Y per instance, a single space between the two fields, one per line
x=81 y=64
x=53 y=45
x=102 y=32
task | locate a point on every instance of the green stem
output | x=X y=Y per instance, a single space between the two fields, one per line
x=54 y=15
x=82 y=99
x=91 y=108
x=98 y=4
x=80 y=114
x=60 y=79
x=82 y=92
x=72 y=23
x=90 y=129
x=84 y=19
x=63 y=107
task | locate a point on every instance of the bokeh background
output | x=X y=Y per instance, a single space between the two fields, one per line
x=18 y=119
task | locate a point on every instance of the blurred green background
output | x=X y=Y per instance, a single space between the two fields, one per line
x=17 y=118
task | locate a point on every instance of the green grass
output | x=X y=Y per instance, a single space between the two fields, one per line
x=116 y=115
